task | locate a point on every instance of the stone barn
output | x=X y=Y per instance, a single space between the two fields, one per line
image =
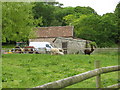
x=60 y=37
x=71 y=45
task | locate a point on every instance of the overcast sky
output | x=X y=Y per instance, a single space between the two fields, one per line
x=100 y=6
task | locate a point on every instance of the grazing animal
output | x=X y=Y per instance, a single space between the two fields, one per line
x=56 y=51
x=88 y=51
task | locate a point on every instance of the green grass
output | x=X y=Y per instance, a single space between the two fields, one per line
x=30 y=70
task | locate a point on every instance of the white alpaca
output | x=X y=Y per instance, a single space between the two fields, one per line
x=56 y=51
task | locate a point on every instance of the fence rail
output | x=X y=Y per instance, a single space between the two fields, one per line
x=114 y=86
x=97 y=50
x=80 y=77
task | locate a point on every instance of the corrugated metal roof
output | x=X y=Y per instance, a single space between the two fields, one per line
x=55 y=31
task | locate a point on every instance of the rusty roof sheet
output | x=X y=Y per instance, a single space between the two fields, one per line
x=55 y=31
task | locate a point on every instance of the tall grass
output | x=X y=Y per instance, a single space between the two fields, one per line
x=30 y=70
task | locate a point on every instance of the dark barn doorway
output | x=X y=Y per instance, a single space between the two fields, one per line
x=64 y=47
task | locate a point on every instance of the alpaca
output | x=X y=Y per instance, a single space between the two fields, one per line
x=56 y=51
x=88 y=51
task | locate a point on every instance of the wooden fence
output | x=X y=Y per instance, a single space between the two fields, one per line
x=104 y=50
x=81 y=77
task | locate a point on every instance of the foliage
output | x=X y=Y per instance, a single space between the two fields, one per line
x=104 y=30
x=107 y=26
x=93 y=44
x=30 y=70
x=100 y=29
x=117 y=19
x=84 y=10
x=46 y=11
x=61 y=12
x=17 y=21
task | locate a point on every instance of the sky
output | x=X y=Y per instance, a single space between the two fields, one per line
x=100 y=6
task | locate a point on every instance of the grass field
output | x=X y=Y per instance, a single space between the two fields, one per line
x=30 y=70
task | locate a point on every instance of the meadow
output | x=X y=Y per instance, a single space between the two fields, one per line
x=31 y=70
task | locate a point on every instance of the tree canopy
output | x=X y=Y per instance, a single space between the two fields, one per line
x=19 y=19
x=91 y=26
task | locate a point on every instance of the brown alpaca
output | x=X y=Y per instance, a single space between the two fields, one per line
x=88 y=51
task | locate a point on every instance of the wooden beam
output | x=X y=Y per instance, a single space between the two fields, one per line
x=78 y=78
x=98 y=77
x=114 y=86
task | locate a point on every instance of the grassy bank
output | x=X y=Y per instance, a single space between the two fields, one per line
x=30 y=70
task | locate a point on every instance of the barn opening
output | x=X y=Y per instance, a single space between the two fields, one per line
x=64 y=47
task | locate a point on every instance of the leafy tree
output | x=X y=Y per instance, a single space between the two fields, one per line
x=46 y=11
x=107 y=30
x=52 y=12
x=62 y=12
x=84 y=25
x=17 y=21
x=117 y=19
x=70 y=19
x=101 y=29
x=84 y=10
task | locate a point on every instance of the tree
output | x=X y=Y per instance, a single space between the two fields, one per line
x=117 y=19
x=85 y=25
x=17 y=21
x=46 y=11
x=84 y=10
x=62 y=12
x=101 y=29
x=107 y=30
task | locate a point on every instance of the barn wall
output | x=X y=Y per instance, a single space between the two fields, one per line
x=42 y=40
x=74 y=45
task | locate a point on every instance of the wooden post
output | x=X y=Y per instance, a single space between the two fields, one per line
x=98 y=77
